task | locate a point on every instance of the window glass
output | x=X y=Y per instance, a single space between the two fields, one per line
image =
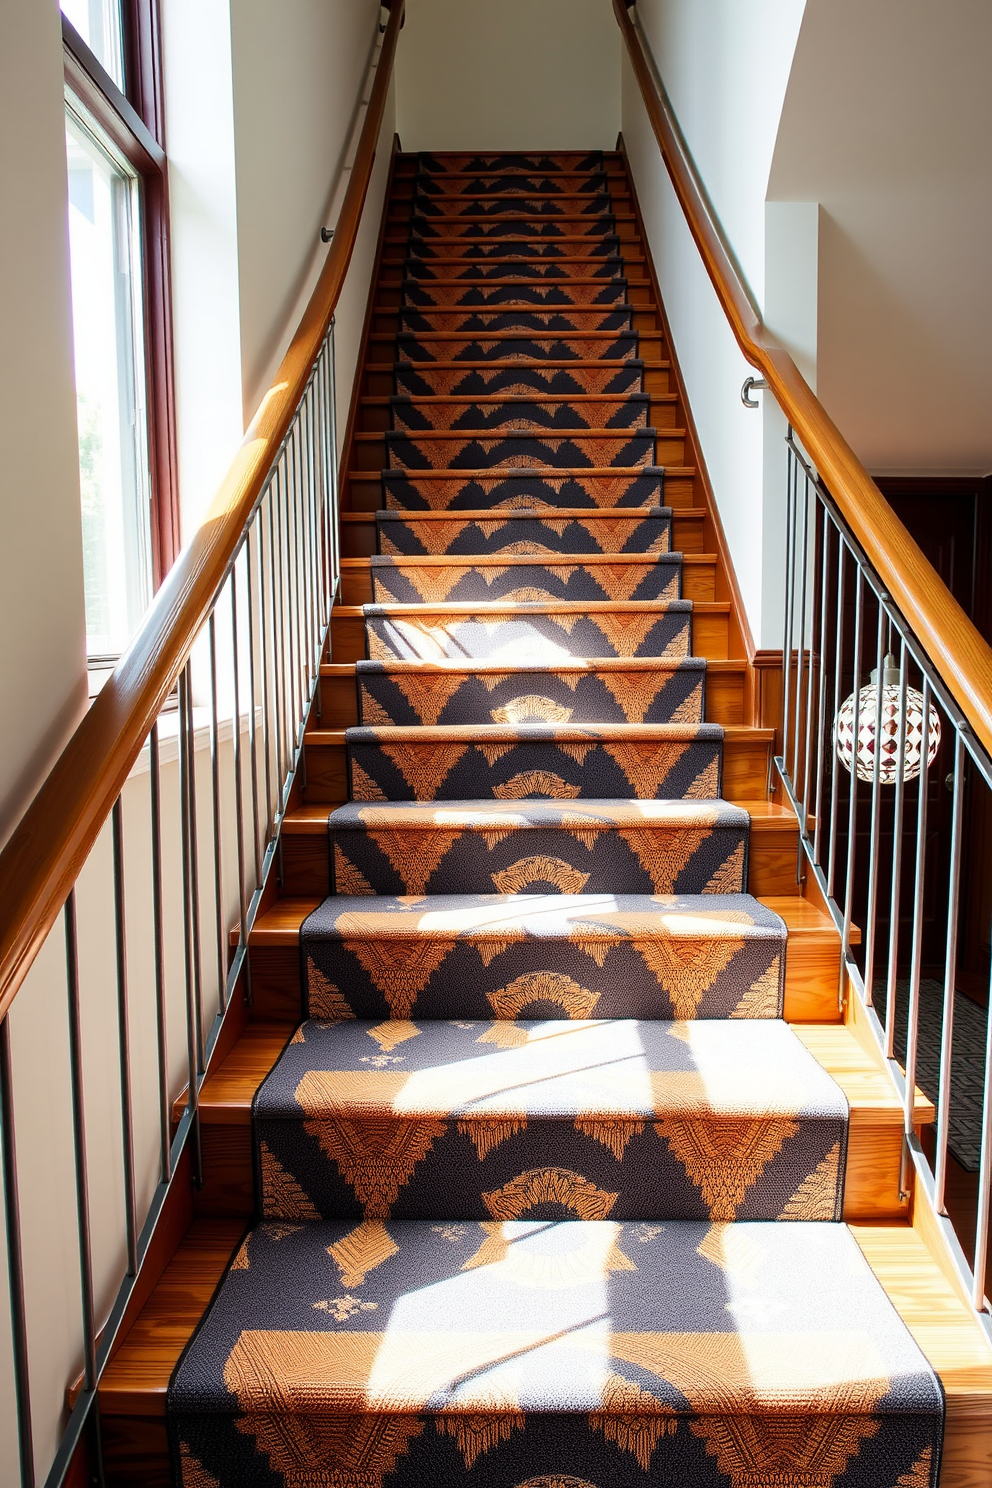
x=110 y=389
x=99 y=24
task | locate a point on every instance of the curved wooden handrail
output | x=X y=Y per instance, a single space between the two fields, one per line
x=960 y=655
x=43 y=858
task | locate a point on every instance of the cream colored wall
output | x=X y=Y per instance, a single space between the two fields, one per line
x=887 y=124
x=516 y=75
x=43 y=656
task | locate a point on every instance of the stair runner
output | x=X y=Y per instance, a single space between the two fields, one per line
x=516 y=1168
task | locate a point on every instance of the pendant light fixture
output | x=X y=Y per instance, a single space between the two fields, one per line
x=863 y=748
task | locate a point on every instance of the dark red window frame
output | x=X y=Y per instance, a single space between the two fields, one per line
x=135 y=122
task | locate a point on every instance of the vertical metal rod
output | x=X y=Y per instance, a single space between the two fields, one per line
x=300 y=517
x=871 y=931
x=220 y=928
x=913 y=1012
x=802 y=558
x=834 y=755
x=322 y=529
x=335 y=515
x=189 y=954
x=239 y=804
x=279 y=703
x=79 y=1145
x=267 y=730
x=897 y=824
x=819 y=520
x=852 y=806
x=158 y=934
x=950 y=977
x=286 y=577
x=252 y=731
x=127 y=1128
x=309 y=509
x=301 y=663
x=189 y=799
x=15 y=1263
x=822 y=705
x=984 y=1176
x=329 y=485
x=790 y=563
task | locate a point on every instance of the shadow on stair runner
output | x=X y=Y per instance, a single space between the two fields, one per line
x=516 y=1169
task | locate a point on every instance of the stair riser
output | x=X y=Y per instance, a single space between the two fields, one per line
x=510 y=183
x=420 y=294
x=520 y=416
x=410 y=538
x=459 y=162
x=468 y=321
x=745 y=777
x=523 y=582
x=569 y=697
x=462 y=772
x=501 y=491
x=540 y=859
x=536 y=637
x=435 y=255
x=455 y=451
x=540 y=270
x=598 y=346
x=522 y=379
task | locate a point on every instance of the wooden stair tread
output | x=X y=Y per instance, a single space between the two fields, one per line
x=734 y=733
x=136 y=1380
x=734 y=667
x=311 y=818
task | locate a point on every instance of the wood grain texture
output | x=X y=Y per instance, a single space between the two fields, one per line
x=43 y=858
x=962 y=658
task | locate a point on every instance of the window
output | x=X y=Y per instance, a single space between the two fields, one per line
x=118 y=248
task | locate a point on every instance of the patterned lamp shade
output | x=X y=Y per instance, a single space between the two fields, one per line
x=865 y=745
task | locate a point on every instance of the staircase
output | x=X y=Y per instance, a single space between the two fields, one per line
x=527 y=1163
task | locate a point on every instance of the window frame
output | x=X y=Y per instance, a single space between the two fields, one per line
x=135 y=125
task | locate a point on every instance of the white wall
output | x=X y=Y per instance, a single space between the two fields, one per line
x=887 y=124
x=726 y=68
x=43 y=655
x=514 y=75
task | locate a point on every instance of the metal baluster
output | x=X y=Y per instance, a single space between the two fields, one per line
x=876 y=816
x=335 y=518
x=897 y=825
x=127 y=1131
x=802 y=556
x=835 y=758
x=913 y=1017
x=161 y=1018
x=790 y=554
x=278 y=698
x=950 y=977
x=330 y=462
x=984 y=1176
x=286 y=577
x=15 y=1264
x=189 y=955
x=239 y=804
x=267 y=733
x=300 y=665
x=189 y=798
x=309 y=512
x=221 y=931
x=813 y=642
x=79 y=1145
x=852 y=805
x=822 y=705
x=252 y=731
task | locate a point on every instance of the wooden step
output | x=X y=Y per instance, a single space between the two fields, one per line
x=772 y=856
x=376 y=414
x=746 y=764
x=380 y=375
x=812 y=962
x=363 y=490
x=358 y=529
x=698 y=573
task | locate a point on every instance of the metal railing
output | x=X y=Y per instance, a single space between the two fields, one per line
x=870 y=739
x=129 y=889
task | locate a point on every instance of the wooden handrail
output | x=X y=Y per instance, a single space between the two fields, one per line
x=959 y=653
x=43 y=858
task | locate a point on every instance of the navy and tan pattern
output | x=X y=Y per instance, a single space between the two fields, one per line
x=533 y=956
x=597 y=449
x=519 y=379
x=582 y=317
x=515 y=631
x=510 y=291
x=522 y=761
x=549 y=1120
x=476 y=534
x=568 y=1354
x=507 y=1168
x=508 y=489
x=528 y=578
x=502 y=346
x=476 y=847
x=651 y=690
